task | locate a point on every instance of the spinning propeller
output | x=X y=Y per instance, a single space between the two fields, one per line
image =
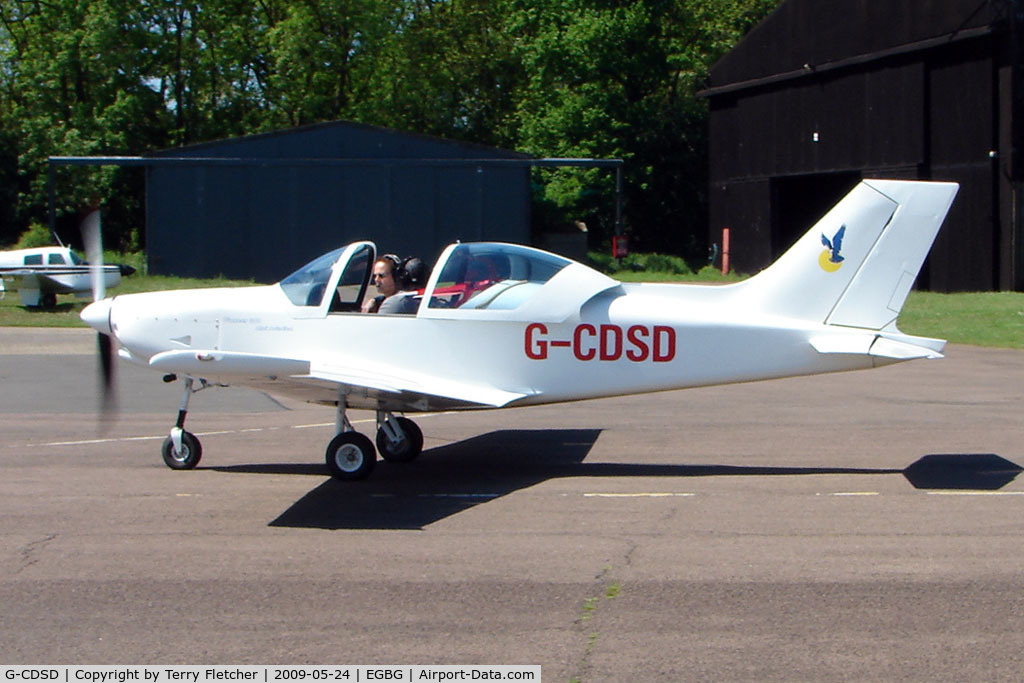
x=99 y=309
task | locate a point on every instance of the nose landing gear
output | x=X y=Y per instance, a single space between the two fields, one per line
x=181 y=450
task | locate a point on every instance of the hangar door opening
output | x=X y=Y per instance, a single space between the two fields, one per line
x=799 y=201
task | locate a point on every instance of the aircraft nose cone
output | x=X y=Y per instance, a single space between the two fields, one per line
x=97 y=315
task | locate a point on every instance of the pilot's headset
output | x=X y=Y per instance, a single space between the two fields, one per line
x=396 y=267
x=413 y=274
x=396 y=263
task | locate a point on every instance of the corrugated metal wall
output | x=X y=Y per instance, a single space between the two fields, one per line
x=264 y=220
x=881 y=96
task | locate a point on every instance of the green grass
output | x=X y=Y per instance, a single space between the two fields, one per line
x=705 y=275
x=993 y=319
x=979 y=318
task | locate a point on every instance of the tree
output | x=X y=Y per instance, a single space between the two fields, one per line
x=320 y=54
x=70 y=87
x=448 y=68
x=609 y=79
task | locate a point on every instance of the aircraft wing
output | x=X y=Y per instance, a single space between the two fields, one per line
x=365 y=385
x=226 y=364
x=33 y=279
x=413 y=388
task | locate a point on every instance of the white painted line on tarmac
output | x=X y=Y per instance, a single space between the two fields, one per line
x=249 y=430
x=87 y=442
x=852 y=493
x=652 y=494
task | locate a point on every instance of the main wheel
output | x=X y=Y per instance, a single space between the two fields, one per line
x=405 y=450
x=185 y=459
x=350 y=456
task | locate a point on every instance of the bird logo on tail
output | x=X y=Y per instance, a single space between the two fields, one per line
x=830 y=259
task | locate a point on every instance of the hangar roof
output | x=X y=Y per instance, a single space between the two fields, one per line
x=802 y=37
x=341 y=140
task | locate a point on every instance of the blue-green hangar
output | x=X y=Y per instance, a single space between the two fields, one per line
x=825 y=92
x=260 y=206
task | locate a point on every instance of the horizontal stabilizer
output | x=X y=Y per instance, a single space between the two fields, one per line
x=853 y=343
x=907 y=348
x=894 y=347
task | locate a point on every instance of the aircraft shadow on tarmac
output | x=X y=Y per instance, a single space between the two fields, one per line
x=962 y=471
x=458 y=476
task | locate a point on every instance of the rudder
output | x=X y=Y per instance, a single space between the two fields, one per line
x=876 y=294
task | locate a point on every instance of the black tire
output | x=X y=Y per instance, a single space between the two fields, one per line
x=405 y=451
x=188 y=458
x=49 y=300
x=350 y=456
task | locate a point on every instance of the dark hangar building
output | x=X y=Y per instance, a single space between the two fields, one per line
x=824 y=93
x=260 y=206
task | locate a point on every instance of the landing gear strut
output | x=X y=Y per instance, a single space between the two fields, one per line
x=398 y=438
x=181 y=450
x=351 y=456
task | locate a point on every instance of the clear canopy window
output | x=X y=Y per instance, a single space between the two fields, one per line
x=493 y=276
x=306 y=286
x=353 y=280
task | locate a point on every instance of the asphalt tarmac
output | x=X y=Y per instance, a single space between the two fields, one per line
x=862 y=526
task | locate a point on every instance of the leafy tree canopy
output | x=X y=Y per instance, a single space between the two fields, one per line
x=583 y=78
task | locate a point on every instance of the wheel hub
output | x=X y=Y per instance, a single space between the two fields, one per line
x=348 y=457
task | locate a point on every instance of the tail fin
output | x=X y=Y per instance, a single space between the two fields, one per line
x=855 y=267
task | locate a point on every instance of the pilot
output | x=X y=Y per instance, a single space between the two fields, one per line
x=411 y=277
x=385 y=272
x=398 y=282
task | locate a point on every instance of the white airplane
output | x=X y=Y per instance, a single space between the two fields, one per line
x=500 y=325
x=40 y=274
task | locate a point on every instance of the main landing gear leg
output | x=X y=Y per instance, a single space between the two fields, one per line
x=350 y=455
x=181 y=450
x=398 y=438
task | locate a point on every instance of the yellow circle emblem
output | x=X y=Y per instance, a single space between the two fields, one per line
x=825 y=261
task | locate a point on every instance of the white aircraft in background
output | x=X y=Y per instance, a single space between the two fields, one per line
x=40 y=274
x=500 y=325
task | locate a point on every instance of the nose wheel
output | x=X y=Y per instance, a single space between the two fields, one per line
x=181 y=451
